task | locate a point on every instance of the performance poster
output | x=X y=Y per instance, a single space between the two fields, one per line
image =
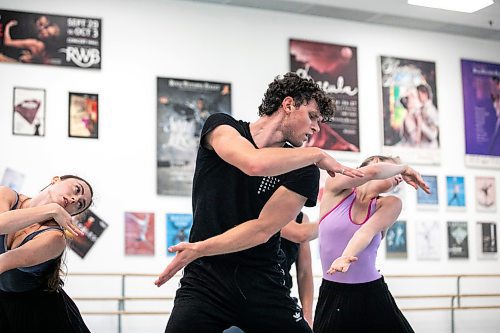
x=458 y=243
x=395 y=241
x=13 y=179
x=428 y=240
x=29 y=111
x=92 y=227
x=486 y=196
x=83 y=115
x=178 y=229
x=487 y=247
x=40 y=38
x=183 y=106
x=428 y=200
x=335 y=69
x=455 y=192
x=481 y=91
x=410 y=110
x=139 y=233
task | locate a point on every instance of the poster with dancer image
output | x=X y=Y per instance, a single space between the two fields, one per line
x=178 y=229
x=13 y=179
x=486 y=194
x=428 y=240
x=410 y=110
x=425 y=200
x=458 y=240
x=28 y=117
x=481 y=93
x=92 y=226
x=335 y=69
x=139 y=233
x=46 y=39
x=455 y=193
x=396 y=240
x=83 y=115
x=487 y=247
x=183 y=106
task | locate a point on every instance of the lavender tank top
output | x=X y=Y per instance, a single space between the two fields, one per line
x=336 y=229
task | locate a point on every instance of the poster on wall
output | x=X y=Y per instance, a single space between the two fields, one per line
x=334 y=68
x=395 y=241
x=487 y=247
x=455 y=192
x=93 y=227
x=13 y=179
x=139 y=233
x=40 y=38
x=28 y=116
x=83 y=118
x=481 y=93
x=458 y=240
x=410 y=110
x=178 y=229
x=486 y=194
x=425 y=200
x=182 y=109
x=428 y=240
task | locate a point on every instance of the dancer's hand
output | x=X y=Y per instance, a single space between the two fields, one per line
x=186 y=253
x=413 y=178
x=341 y=264
x=331 y=166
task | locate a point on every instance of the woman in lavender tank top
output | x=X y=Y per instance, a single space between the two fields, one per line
x=353 y=296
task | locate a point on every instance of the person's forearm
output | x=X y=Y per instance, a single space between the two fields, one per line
x=14 y=220
x=358 y=243
x=299 y=233
x=277 y=161
x=385 y=170
x=306 y=293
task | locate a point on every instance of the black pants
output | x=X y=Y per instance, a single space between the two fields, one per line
x=358 y=308
x=214 y=296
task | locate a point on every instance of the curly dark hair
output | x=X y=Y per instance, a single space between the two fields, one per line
x=302 y=91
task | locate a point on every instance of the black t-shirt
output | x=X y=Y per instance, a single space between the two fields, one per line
x=224 y=196
x=291 y=254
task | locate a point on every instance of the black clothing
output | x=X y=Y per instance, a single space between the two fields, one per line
x=291 y=254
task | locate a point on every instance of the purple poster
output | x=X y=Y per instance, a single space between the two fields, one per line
x=481 y=91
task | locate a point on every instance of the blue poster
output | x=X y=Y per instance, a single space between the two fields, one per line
x=396 y=240
x=428 y=199
x=455 y=191
x=178 y=228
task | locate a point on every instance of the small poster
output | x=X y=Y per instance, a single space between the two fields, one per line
x=13 y=179
x=428 y=200
x=28 y=116
x=458 y=240
x=410 y=110
x=46 y=39
x=486 y=196
x=178 y=229
x=139 y=233
x=487 y=246
x=455 y=192
x=428 y=240
x=83 y=115
x=183 y=106
x=395 y=240
x=92 y=227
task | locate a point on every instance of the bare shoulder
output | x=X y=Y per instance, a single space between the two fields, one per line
x=7 y=197
x=389 y=202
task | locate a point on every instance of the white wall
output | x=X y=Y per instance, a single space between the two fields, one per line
x=145 y=39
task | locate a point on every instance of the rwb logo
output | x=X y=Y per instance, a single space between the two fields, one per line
x=82 y=57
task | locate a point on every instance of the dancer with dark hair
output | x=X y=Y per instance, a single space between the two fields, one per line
x=32 y=243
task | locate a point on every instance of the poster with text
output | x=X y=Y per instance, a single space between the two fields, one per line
x=428 y=200
x=83 y=118
x=486 y=194
x=458 y=240
x=455 y=192
x=428 y=240
x=410 y=110
x=487 y=247
x=481 y=93
x=396 y=241
x=41 y=38
x=13 y=179
x=139 y=233
x=183 y=106
x=178 y=229
x=335 y=69
x=93 y=227
x=28 y=116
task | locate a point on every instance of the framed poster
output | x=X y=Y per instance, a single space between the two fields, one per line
x=182 y=108
x=178 y=229
x=481 y=93
x=487 y=244
x=428 y=240
x=93 y=227
x=83 y=118
x=455 y=192
x=395 y=240
x=46 y=39
x=458 y=240
x=139 y=233
x=486 y=194
x=28 y=116
x=428 y=200
x=410 y=110
x=13 y=179
x=334 y=68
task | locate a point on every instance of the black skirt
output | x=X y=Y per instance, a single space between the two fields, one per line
x=358 y=308
x=40 y=311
